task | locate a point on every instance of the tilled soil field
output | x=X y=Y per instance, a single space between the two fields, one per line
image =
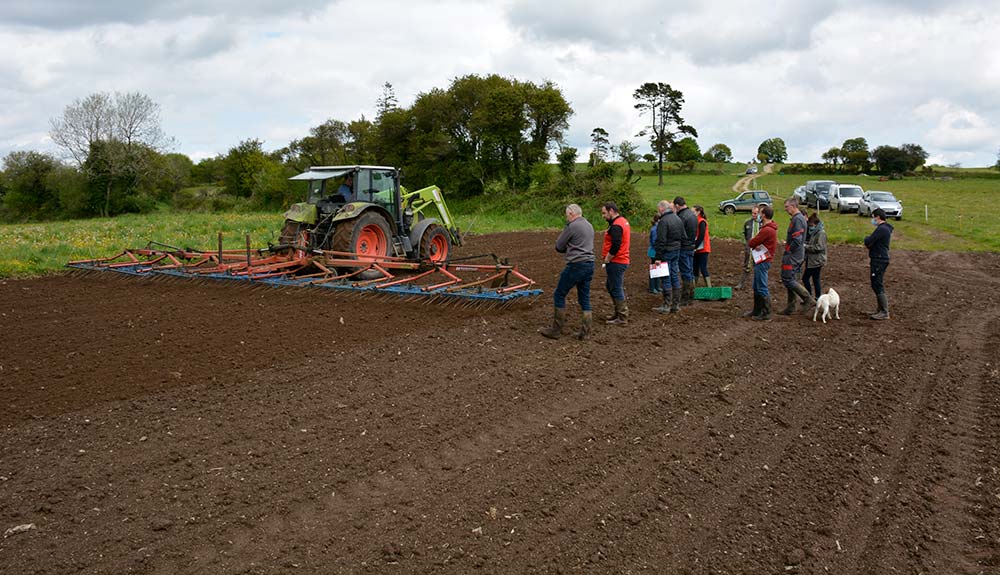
x=158 y=427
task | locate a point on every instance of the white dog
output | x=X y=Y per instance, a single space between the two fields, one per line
x=830 y=299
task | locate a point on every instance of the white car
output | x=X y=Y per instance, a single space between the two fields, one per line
x=845 y=197
x=874 y=199
x=800 y=195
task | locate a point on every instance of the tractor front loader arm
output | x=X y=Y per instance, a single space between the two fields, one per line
x=423 y=200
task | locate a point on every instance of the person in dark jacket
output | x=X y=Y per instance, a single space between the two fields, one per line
x=750 y=229
x=687 y=249
x=815 y=254
x=702 y=248
x=577 y=243
x=794 y=257
x=878 y=255
x=669 y=235
x=654 y=283
x=767 y=239
x=615 y=254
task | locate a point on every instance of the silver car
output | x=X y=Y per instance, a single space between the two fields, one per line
x=874 y=199
x=845 y=197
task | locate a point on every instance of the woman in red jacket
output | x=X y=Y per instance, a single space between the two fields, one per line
x=767 y=240
x=702 y=247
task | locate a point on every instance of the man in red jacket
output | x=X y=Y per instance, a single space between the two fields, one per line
x=766 y=239
x=616 y=260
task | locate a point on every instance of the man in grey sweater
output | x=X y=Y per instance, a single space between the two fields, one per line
x=577 y=243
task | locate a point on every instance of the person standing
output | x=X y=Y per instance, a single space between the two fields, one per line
x=687 y=249
x=577 y=243
x=669 y=235
x=654 y=283
x=768 y=238
x=615 y=254
x=794 y=256
x=702 y=247
x=878 y=255
x=750 y=229
x=815 y=254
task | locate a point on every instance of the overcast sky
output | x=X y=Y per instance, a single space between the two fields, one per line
x=812 y=73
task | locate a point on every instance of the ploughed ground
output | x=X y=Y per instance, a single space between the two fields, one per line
x=149 y=426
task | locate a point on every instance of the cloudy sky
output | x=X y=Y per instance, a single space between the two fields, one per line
x=812 y=73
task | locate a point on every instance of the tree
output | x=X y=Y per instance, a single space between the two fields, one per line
x=209 y=171
x=684 y=150
x=326 y=145
x=649 y=157
x=855 y=154
x=915 y=156
x=772 y=151
x=997 y=165
x=832 y=156
x=600 y=144
x=890 y=160
x=386 y=102
x=242 y=164
x=663 y=104
x=719 y=153
x=567 y=161
x=29 y=194
x=360 y=147
x=626 y=153
x=124 y=128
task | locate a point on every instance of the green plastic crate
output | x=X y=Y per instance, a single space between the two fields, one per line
x=713 y=293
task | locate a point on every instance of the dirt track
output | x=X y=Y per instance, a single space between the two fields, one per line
x=152 y=427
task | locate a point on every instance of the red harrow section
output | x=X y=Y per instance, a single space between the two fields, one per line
x=460 y=281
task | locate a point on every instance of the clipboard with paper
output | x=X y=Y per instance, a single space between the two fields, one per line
x=759 y=254
x=660 y=270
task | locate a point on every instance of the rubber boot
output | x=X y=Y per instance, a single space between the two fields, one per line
x=558 y=322
x=665 y=308
x=621 y=314
x=808 y=301
x=765 y=312
x=708 y=281
x=790 y=308
x=756 y=306
x=743 y=280
x=883 y=307
x=613 y=315
x=687 y=289
x=675 y=301
x=654 y=285
x=585 y=326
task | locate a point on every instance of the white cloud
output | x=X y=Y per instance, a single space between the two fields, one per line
x=813 y=74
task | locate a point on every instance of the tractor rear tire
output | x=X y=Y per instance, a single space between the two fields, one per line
x=368 y=235
x=435 y=245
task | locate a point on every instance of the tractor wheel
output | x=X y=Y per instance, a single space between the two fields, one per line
x=294 y=234
x=435 y=245
x=367 y=236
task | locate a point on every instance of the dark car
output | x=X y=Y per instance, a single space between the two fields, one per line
x=745 y=202
x=818 y=194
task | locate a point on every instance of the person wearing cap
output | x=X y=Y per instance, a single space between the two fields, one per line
x=878 y=260
x=577 y=243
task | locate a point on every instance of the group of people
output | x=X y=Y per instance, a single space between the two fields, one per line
x=679 y=241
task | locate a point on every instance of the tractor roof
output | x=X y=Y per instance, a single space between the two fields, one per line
x=327 y=172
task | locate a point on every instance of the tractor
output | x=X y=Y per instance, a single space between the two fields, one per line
x=362 y=212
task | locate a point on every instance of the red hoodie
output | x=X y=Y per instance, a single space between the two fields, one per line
x=767 y=237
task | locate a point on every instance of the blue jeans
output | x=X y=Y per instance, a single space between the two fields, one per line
x=674 y=279
x=578 y=275
x=760 y=278
x=686 y=265
x=811 y=280
x=616 y=280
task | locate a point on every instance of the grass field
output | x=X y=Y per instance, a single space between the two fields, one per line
x=963 y=215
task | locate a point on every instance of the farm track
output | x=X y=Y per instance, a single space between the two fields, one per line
x=157 y=427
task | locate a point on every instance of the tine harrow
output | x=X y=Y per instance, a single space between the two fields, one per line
x=493 y=285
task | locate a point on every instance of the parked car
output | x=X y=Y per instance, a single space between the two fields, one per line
x=845 y=197
x=873 y=199
x=800 y=195
x=745 y=202
x=751 y=170
x=818 y=193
